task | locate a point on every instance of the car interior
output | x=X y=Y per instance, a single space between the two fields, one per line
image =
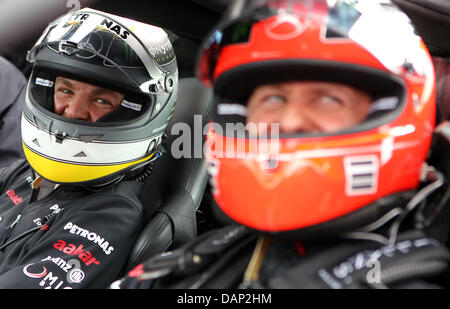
x=177 y=197
x=176 y=191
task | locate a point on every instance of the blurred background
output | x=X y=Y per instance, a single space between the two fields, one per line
x=188 y=21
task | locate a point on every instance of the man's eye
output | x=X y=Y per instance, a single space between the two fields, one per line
x=66 y=91
x=274 y=99
x=104 y=102
x=331 y=100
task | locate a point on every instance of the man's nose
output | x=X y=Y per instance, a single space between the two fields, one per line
x=77 y=108
x=295 y=119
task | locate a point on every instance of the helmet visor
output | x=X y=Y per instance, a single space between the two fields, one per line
x=339 y=20
x=93 y=38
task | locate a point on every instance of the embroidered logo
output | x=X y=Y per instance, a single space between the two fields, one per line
x=14 y=197
x=70 y=249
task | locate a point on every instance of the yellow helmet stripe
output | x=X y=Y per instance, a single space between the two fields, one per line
x=61 y=172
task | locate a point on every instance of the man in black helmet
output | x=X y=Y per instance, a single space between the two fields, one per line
x=98 y=100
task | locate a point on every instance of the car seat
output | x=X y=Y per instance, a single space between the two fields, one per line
x=174 y=190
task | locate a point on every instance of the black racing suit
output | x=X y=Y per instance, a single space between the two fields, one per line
x=218 y=259
x=71 y=238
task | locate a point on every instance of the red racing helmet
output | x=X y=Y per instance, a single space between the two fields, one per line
x=312 y=182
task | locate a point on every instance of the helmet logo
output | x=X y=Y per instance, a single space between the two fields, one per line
x=111 y=26
x=361 y=175
x=285 y=27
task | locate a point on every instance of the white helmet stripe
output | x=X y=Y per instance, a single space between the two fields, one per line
x=79 y=152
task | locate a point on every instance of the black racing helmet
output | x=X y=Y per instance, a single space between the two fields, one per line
x=115 y=53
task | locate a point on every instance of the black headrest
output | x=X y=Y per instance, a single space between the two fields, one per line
x=171 y=175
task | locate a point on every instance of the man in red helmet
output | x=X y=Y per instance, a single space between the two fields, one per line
x=347 y=199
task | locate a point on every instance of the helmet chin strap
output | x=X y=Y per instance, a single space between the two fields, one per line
x=400 y=213
x=145 y=169
x=100 y=187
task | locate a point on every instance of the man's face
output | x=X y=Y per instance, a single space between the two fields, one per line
x=308 y=107
x=78 y=100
